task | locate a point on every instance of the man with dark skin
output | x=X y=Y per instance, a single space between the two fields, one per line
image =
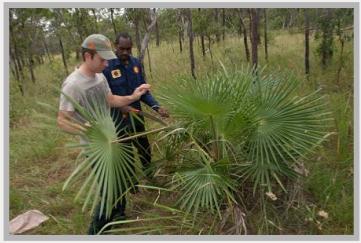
x=124 y=75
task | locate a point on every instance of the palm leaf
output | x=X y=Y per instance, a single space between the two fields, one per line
x=203 y=185
x=258 y=119
x=108 y=165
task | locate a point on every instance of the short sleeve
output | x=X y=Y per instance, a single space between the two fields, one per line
x=65 y=104
x=106 y=85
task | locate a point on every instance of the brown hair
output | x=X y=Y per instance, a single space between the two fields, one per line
x=90 y=51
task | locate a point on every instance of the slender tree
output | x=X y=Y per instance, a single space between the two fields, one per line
x=58 y=31
x=244 y=29
x=63 y=54
x=202 y=35
x=254 y=36
x=47 y=50
x=223 y=24
x=149 y=61
x=265 y=35
x=156 y=29
x=216 y=18
x=190 y=35
x=113 y=22
x=325 y=49
x=307 y=42
x=180 y=29
x=180 y=33
x=152 y=20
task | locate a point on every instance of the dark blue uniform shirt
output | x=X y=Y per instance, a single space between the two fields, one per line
x=123 y=80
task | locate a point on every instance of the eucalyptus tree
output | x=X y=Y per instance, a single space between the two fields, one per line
x=307 y=42
x=254 y=23
x=326 y=46
x=27 y=30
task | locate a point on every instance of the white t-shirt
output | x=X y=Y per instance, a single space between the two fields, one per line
x=88 y=92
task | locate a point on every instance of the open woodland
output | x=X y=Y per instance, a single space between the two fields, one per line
x=260 y=138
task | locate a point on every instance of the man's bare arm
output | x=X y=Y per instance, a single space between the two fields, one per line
x=66 y=122
x=119 y=101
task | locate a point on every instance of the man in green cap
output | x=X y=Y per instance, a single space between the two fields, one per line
x=86 y=83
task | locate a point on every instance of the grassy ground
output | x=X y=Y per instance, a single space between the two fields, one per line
x=40 y=163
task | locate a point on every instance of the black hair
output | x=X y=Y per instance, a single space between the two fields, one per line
x=90 y=51
x=124 y=35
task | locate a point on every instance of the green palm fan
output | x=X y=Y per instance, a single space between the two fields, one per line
x=203 y=183
x=285 y=127
x=255 y=124
x=107 y=166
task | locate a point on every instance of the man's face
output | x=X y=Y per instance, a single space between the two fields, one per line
x=124 y=48
x=97 y=64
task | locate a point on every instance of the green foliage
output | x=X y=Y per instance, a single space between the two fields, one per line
x=38 y=158
x=343 y=114
x=255 y=126
x=204 y=185
x=110 y=163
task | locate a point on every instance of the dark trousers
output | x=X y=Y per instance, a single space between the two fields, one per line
x=99 y=221
x=144 y=151
x=140 y=143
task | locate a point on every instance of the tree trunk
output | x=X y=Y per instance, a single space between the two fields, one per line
x=223 y=24
x=290 y=22
x=307 y=41
x=18 y=65
x=31 y=67
x=245 y=41
x=180 y=40
x=47 y=50
x=149 y=61
x=137 y=35
x=113 y=22
x=284 y=23
x=145 y=42
x=341 y=61
x=14 y=68
x=216 y=17
x=265 y=35
x=209 y=47
x=203 y=48
x=149 y=29
x=39 y=59
x=17 y=72
x=190 y=35
x=327 y=38
x=156 y=30
x=63 y=55
x=254 y=39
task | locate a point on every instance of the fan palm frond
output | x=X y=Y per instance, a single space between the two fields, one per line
x=109 y=165
x=285 y=127
x=259 y=118
x=203 y=185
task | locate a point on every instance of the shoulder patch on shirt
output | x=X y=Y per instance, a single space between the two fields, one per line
x=116 y=73
x=136 y=69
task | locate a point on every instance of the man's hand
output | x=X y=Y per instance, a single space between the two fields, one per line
x=163 y=112
x=142 y=89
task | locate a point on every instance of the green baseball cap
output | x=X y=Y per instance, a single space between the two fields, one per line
x=101 y=44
